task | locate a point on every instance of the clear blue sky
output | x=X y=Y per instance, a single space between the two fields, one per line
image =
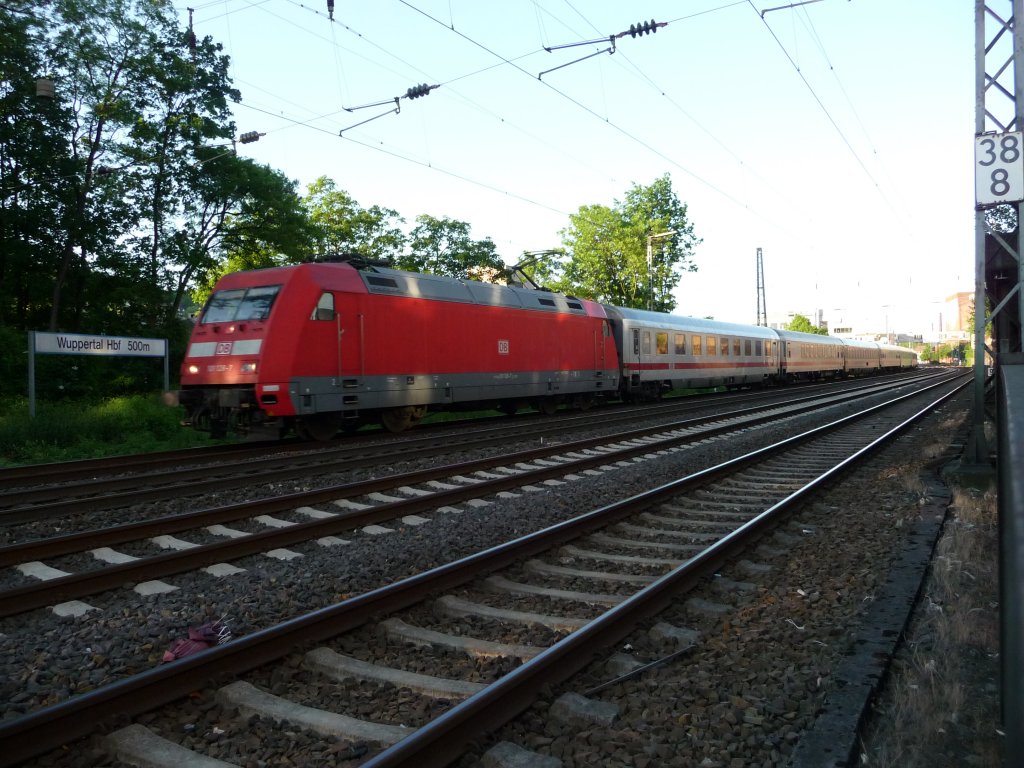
x=837 y=136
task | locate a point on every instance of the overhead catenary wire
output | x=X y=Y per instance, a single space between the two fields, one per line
x=824 y=109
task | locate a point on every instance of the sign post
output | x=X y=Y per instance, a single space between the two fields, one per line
x=83 y=344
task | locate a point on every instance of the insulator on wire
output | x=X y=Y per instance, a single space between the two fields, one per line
x=643 y=28
x=330 y=9
x=249 y=137
x=419 y=90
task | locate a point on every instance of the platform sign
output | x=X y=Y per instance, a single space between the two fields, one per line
x=998 y=168
x=44 y=343
x=81 y=344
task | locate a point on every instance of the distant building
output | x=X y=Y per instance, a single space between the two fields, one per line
x=955 y=317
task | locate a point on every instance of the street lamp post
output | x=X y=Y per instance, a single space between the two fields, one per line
x=650 y=265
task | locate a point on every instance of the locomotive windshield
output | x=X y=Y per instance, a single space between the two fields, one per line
x=239 y=304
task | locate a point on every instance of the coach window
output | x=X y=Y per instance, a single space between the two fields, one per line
x=712 y=351
x=324 y=308
x=695 y=345
x=680 y=343
x=723 y=346
x=747 y=345
x=736 y=347
x=661 y=343
x=647 y=342
x=757 y=348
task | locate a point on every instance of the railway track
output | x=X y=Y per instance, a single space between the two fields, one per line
x=640 y=552
x=38 y=492
x=81 y=564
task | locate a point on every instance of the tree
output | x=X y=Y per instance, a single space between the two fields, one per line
x=608 y=248
x=247 y=216
x=36 y=172
x=804 y=325
x=443 y=247
x=340 y=225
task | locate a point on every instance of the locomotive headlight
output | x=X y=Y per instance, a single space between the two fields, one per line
x=193 y=369
x=248 y=368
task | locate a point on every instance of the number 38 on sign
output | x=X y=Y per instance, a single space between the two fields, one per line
x=998 y=168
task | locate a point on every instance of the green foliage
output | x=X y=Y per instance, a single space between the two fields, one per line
x=608 y=248
x=804 y=325
x=341 y=226
x=82 y=429
x=443 y=247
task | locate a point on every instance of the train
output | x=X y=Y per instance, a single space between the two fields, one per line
x=329 y=346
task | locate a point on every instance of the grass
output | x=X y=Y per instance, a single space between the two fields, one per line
x=78 y=430
x=941 y=705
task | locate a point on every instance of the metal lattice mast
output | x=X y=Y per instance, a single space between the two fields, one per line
x=999 y=180
x=999 y=172
x=762 y=307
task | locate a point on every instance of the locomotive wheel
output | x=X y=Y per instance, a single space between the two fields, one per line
x=583 y=402
x=320 y=428
x=398 y=419
x=547 y=406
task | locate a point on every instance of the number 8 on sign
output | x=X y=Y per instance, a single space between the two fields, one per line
x=998 y=168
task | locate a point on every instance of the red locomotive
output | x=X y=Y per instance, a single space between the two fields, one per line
x=326 y=346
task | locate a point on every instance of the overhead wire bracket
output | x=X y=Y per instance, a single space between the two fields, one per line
x=635 y=30
x=609 y=50
x=414 y=92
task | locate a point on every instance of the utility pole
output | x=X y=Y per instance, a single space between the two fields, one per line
x=762 y=306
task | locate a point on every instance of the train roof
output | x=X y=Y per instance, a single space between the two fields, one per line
x=694 y=324
x=809 y=338
x=345 y=275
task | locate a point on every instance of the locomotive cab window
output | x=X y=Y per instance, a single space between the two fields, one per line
x=237 y=304
x=324 y=308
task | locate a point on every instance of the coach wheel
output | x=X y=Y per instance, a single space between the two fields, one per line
x=509 y=407
x=320 y=428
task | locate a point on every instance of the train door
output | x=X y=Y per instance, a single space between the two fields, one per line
x=329 y=335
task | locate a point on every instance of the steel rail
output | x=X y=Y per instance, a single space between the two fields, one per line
x=82 y=584
x=25 y=504
x=444 y=739
x=43 y=730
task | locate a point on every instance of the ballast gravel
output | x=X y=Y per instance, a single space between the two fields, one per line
x=728 y=711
